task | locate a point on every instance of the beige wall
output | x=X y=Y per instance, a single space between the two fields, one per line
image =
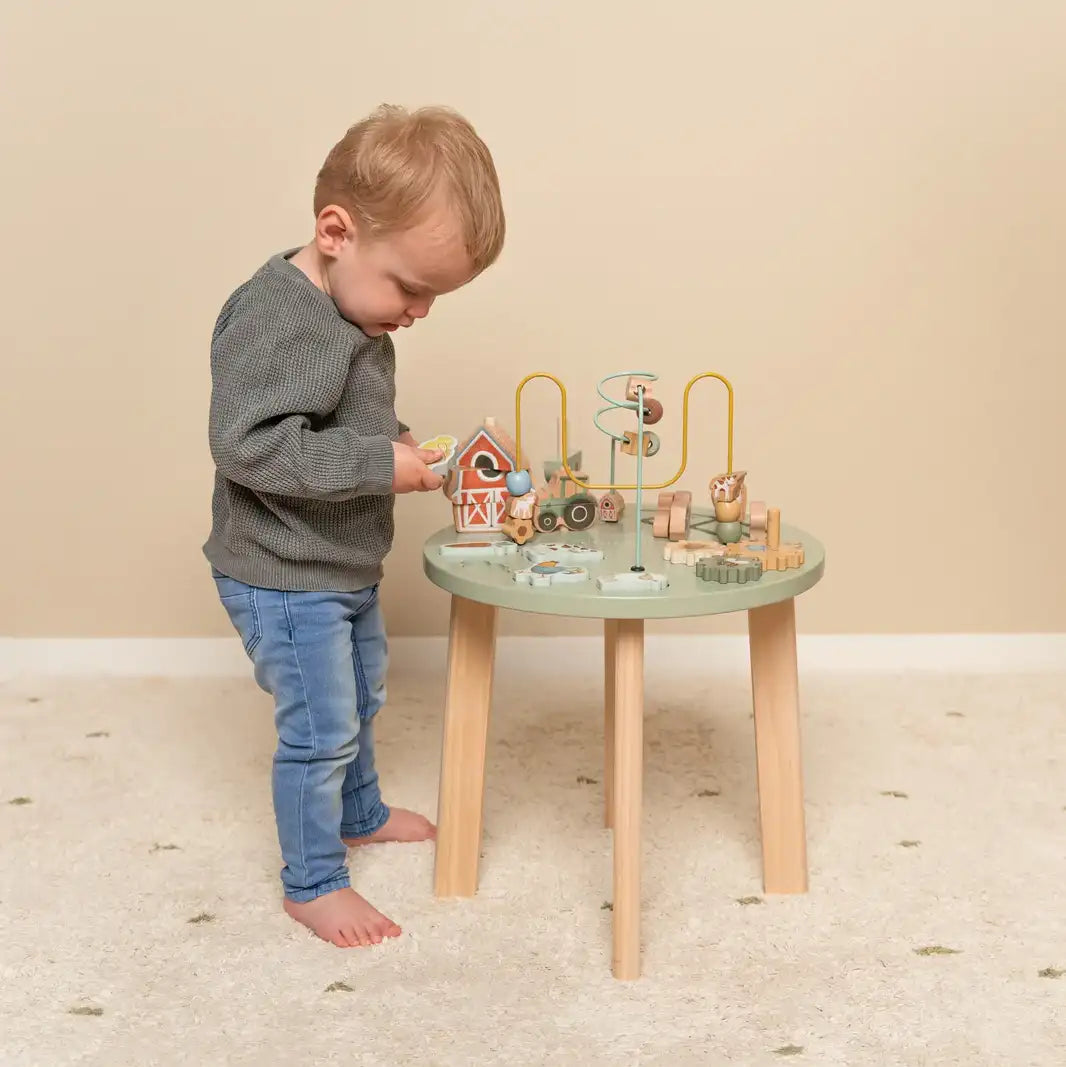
x=857 y=212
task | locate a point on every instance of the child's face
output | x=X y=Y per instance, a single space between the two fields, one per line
x=390 y=281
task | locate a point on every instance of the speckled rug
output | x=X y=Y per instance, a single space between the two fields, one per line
x=140 y=921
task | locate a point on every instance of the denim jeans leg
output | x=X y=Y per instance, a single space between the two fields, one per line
x=304 y=660
x=364 y=813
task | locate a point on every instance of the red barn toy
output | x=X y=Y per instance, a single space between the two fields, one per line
x=475 y=483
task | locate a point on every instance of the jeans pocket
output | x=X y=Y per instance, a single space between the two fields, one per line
x=243 y=611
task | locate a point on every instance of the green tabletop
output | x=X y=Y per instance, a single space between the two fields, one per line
x=492 y=580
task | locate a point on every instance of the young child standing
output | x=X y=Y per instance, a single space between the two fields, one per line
x=310 y=454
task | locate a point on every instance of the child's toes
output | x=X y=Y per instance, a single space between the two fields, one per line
x=339 y=938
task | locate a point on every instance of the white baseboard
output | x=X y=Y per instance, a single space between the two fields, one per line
x=666 y=653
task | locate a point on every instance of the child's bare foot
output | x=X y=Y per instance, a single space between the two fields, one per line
x=344 y=918
x=401 y=825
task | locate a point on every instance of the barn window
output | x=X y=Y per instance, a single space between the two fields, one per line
x=485 y=462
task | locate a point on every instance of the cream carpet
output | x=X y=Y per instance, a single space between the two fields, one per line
x=140 y=921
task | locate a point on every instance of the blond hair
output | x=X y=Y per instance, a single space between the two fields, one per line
x=386 y=168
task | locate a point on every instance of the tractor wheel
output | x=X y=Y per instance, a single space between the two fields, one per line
x=546 y=521
x=580 y=514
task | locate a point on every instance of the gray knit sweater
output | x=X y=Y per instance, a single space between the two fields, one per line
x=301 y=429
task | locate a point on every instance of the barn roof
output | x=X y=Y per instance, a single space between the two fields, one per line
x=501 y=438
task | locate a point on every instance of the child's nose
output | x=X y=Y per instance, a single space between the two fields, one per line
x=419 y=309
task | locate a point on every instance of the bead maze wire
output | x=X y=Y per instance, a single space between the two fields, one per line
x=635 y=405
x=684 y=429
x=621 y=405
x=626 y=405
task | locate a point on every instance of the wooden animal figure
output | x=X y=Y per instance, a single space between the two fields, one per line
x=475 y=483
x=519 y=522
x=727 y=494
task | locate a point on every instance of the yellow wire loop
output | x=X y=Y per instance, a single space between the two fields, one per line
x=684 y=430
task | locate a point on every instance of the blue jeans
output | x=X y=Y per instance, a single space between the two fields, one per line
x=323 y=658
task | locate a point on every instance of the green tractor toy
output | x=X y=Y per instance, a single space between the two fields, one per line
x=561 y=503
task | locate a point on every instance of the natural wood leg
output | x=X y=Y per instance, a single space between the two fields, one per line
x=775 y=695
x=610 y=636
x=471 y=652
x=628 y=787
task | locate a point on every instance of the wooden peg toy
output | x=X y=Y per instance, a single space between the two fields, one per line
x=774 y=555
x=773 y=527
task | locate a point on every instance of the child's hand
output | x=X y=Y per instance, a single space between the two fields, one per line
x=411 y=475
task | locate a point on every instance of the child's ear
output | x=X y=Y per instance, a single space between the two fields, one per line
x=334 y=228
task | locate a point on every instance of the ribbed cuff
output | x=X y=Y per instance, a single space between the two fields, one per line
x=375 y=465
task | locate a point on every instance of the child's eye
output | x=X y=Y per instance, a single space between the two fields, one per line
x=406 y=290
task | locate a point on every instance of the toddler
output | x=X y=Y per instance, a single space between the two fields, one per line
x=310 y=454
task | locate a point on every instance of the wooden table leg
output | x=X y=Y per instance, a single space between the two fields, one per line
x=610 y=636
x=628 y=788
x=471 y=653
x=775 y=695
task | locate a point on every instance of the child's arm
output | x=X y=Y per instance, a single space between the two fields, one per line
x=270 y=386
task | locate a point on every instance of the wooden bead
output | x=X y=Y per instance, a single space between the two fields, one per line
x=728 y=510
x=633 y=393
x=629 y=445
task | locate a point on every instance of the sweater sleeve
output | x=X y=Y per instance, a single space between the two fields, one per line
x=275 y=381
